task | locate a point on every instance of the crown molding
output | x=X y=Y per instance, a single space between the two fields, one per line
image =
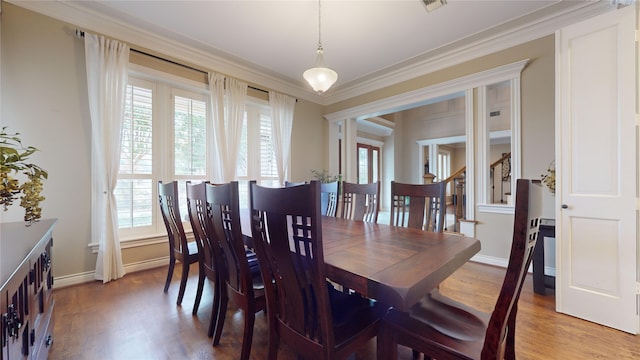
x=458 y=53
x=88 y=20
x=452 y=54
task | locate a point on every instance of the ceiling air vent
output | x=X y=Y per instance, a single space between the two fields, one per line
x=434 y=4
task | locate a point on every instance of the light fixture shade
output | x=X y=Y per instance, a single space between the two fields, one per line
x=320 y=78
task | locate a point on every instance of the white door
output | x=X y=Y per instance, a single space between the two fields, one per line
x=597 y=162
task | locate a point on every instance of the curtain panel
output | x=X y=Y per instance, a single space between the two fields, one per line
x=228 y=97
x=107 y=65
x=282 y=107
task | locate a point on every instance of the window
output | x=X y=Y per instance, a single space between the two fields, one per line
x=163 y=138
x=368 y=163
x=257 y=159
x=499 y=144
x=443 y=169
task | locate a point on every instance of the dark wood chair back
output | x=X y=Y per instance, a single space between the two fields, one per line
x=208 y=257
x=224 y=210
x=179 y=248
x=170 y=209
x=500 y=335
x=420 y=206
x=442 y=328
x=360 y=201
x=329 y=198
x=244 y=286
x=287 y=234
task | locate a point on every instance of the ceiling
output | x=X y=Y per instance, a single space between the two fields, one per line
x=364 y=40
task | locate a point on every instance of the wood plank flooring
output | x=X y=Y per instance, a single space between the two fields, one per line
x=133 y=319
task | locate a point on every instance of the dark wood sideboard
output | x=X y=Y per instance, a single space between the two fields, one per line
x=26 y=280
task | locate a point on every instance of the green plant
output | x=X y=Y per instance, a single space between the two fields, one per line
x=324 y=176
x=13 y=163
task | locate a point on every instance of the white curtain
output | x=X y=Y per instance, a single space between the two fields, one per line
x=228 y=97
x=282 y=107
x=107 y=62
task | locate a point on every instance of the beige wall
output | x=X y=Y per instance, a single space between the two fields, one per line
x=44 y=98
x=537 y=121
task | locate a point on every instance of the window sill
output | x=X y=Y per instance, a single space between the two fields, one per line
x=140 y=241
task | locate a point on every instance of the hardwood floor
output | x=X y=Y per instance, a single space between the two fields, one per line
x=133 y=319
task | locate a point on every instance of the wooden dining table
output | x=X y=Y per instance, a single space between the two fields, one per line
x=393 y=265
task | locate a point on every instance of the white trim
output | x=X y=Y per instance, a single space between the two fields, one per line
x=89 y=276
x=430 y=94
x=460 y=52
x=483 y=149
x=153 y=75
x=503 y=263
x=470 y=160
x=496 y=208
x=490 y=260
x=367 y=141
x=456 y=53
x=443 y=140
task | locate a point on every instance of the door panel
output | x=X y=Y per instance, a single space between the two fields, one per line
x=597 y=244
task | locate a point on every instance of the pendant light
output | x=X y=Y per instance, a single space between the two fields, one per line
x=319 y=77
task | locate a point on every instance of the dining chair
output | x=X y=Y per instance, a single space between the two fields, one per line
x=360 y=201
x=209 y=258
x=329 y=198
x=420 y=206
x=443 y=328
x=244 y=287
x=303 y=310
x=186 y=252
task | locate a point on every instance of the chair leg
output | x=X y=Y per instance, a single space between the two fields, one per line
x=247 y=337
x=215 y=309
x=274 y=343
x=183 y=281
x=510 y=348
x=222 y=314
x=387 y=346
x=201 y=278
x=172 y=264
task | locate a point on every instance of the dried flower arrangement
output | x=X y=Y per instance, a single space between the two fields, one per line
x=13 y=162
x=549 y=179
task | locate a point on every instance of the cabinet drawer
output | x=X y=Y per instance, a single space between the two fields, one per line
x=15 y=315
x=43 y=334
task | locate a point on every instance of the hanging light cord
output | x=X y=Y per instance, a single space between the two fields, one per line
x=319 y=24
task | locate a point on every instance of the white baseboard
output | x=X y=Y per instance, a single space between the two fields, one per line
x=490 y=260
x=80 y=278
x=85 y=277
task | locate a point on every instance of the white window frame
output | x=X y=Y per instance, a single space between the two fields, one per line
x=166 y=86
x=438 y=92
x=254 y=109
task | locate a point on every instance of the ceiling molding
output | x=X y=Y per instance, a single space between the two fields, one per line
x=91 y=21
x=459 y=53
x=452 y=54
